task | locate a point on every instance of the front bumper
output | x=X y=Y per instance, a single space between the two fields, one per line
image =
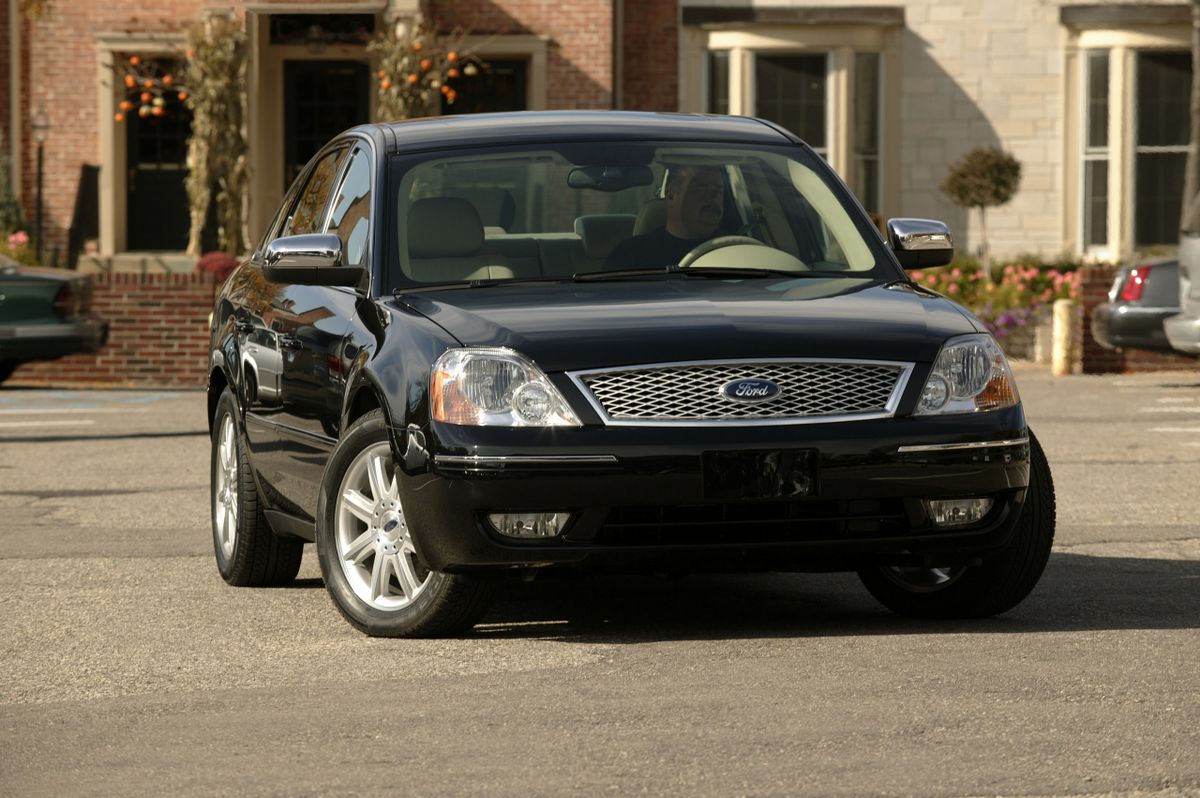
x=637 y=496
x=1183 y=332
x=23 y=342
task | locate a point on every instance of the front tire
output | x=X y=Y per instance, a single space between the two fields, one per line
x=248 y=553
x=366 y=550
x=1000 y=583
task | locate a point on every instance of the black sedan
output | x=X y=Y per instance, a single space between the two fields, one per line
x=45 y=314
x=510 y=343
x=1142 y=297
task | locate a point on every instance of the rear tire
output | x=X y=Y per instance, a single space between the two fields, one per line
x=367 y=554
x=248 y=553
x=1000 y=583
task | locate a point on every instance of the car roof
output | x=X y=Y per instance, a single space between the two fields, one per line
x=545 y=126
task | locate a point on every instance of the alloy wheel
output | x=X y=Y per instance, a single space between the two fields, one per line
x=923 y=580
x=374 y=544
x=225 y=487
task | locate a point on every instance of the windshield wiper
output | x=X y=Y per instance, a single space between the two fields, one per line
x=487 y=282
x=751 y=271
x=621 y=274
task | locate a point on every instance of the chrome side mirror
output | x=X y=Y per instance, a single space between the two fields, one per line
x=308 y=260
x=920 y=243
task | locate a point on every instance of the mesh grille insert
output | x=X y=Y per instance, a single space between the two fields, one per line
x=694 y=392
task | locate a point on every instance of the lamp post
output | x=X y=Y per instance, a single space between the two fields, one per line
x=41 y=128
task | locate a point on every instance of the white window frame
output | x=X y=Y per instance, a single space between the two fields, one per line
x=839 y=43
x=1123 y=45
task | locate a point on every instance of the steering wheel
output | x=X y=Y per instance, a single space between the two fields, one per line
x=720 y=242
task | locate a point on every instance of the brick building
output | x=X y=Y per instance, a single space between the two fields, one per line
x=1092 y=98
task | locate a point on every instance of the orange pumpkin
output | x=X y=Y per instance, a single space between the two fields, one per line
x=451 y=56
x=147 y=97
x=451 y=73
x=183 y=95
x=118 y=117
x=412 y=79
x=426 y=64
x=130 y=82
x=385 y=84
x=133 y=59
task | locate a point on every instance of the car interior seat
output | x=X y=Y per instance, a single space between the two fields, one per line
x=445 y=243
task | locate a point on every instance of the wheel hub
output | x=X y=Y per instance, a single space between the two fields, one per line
x=392 y=532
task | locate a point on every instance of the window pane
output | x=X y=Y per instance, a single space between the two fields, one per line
x=499 y=86
x=1095 y=203
x=1157 y=197
x=718 y=82
x=1164 y=82
x=352 y=209
x=307 y=215
x=866 y=183
x=790 y=90
x=866 y=103
x=1097 y=99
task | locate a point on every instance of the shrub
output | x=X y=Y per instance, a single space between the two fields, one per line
x=16 y=246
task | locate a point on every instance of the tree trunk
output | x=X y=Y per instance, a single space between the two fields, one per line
x=985 y=253
x=1190 y=207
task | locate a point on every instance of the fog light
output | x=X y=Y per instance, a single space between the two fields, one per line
x=957 y=512
x=528 y=525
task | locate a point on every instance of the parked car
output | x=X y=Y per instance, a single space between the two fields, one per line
x=1140 y=299
x=1183 y=329
x=45 y=314
x=681 y=347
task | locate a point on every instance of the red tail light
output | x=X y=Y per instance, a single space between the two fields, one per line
x=1135 y=284
x=65 y=301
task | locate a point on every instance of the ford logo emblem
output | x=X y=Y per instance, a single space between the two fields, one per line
x=750 y=390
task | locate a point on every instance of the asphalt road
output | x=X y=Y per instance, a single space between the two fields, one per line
x=130 y=668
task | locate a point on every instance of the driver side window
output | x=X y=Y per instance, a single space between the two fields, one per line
x=306 y=217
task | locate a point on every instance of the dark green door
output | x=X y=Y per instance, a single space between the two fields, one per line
x=320 y=100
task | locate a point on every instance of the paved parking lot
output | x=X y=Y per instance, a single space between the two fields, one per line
x=130 y=667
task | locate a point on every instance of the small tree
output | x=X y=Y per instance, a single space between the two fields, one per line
x=217 y=147
x=986 y=177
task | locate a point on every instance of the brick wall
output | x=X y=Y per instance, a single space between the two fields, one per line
x=158 y=335
x=60 y=75
x=1093 y=288
x=580 y=60
x=650 y=55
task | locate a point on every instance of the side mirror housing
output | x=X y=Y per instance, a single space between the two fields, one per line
x=309 y=260
x=920 y=243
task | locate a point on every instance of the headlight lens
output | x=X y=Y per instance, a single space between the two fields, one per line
x=971 y=374
x=495 y=388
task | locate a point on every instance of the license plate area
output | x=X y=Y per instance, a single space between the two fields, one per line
x=766 y=474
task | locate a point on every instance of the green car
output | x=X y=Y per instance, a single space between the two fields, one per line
x=45 y=314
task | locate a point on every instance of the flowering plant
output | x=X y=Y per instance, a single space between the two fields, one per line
x=1018 y=298
x=16 y=246
x=220 y=264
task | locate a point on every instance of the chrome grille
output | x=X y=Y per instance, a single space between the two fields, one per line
x=691 y=392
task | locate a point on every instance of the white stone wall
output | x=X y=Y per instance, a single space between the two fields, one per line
x=980 y=72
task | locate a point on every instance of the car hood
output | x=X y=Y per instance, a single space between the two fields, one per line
x=579 y=325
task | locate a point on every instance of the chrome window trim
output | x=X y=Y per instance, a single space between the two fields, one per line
x=889 y=411
x=952 y=447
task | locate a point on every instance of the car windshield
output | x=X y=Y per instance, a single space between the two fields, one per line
x=600 y=211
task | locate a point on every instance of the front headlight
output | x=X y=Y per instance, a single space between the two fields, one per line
x=970 y=374
x=486 y=387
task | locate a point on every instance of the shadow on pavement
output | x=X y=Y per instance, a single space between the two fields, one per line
x=1077 y=593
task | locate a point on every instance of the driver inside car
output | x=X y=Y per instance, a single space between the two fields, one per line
x=695 y=199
